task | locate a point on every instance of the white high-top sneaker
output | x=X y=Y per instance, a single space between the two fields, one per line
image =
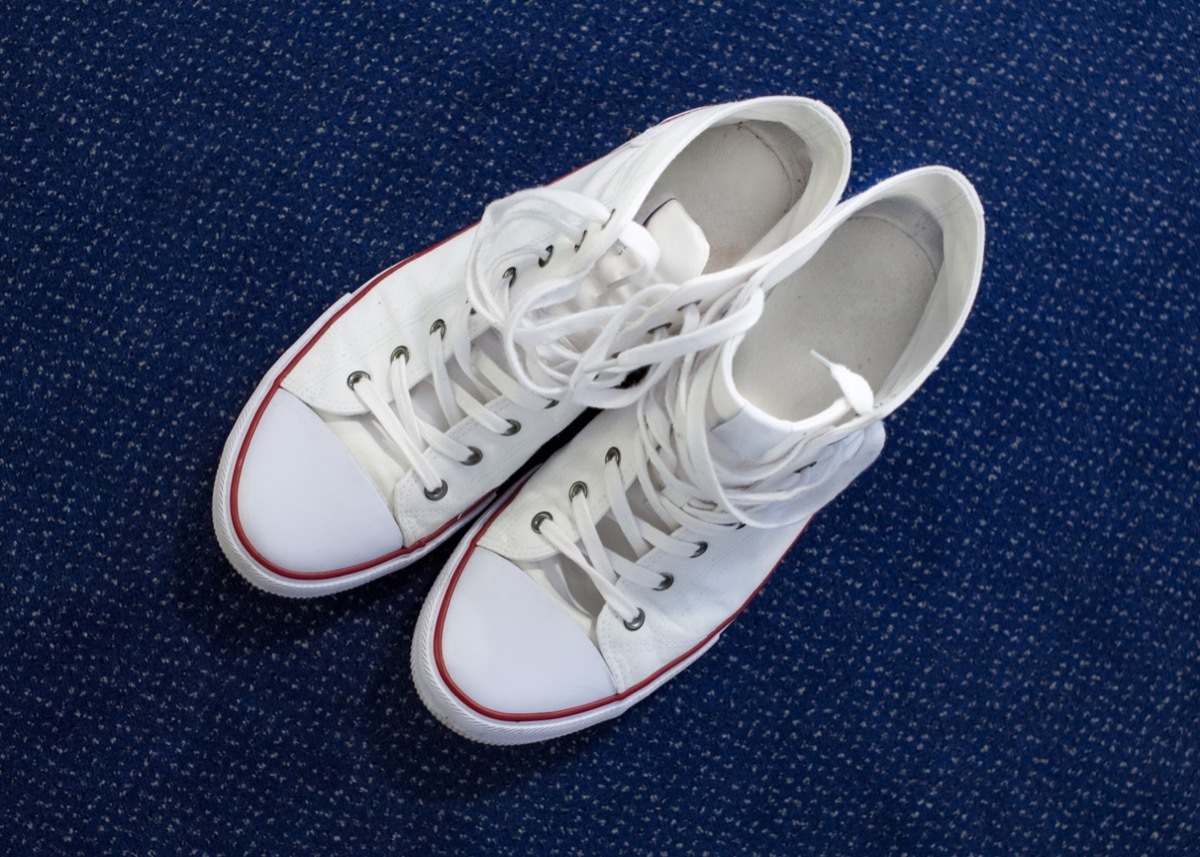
x=396 y=416
x=621 y=560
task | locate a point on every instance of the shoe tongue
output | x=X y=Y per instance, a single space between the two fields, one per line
x=682 y=254
x=752 y=433
x=681 y=242
x=742 y=427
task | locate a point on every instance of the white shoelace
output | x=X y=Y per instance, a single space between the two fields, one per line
x=410 y=433
x=693 y=489
x=562 y=344
x=535 y=317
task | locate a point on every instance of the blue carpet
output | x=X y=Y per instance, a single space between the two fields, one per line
x=989 y=645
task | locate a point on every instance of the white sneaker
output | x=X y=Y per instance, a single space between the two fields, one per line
x=396 y=416
x=621 y=560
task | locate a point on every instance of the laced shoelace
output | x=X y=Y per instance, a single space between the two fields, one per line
x=411 y=434
x=560 y=349
x=540 y=323
x=691 y=489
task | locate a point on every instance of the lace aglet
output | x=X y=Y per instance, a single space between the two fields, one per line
x=855 y=387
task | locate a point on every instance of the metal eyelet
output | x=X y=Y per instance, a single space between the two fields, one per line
x=513 y=428
x=701 y=547
x=356 y=376
x=609 y=219
x=437 y=493
x=539 y=519
x=474 y=458
x=549 y=254
x=509 y=274
x=663 y=326
x=400 y=351
x=577 y=488
x=439 y=327
x=805 y=467
x=667 y=580
x=638 y=621
x=553 y=403
x=579 y=243
x=613 y=454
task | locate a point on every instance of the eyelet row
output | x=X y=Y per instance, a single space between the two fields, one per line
x=579 y=487
x=474 y=454
x=510 y=273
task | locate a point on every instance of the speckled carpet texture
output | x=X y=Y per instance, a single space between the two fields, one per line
x=990 y=644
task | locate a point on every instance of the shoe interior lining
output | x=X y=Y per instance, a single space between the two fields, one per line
x=737 y=181
x=859 y=301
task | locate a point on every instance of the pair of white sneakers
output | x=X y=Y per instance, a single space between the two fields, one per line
x=745 y=336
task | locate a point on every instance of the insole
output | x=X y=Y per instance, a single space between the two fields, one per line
x=858 y=302
x=736 y=181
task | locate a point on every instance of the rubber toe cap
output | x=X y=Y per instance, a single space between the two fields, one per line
x=302 y=502
x=509 y=648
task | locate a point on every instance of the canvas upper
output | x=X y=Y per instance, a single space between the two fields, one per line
x=396 y=416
